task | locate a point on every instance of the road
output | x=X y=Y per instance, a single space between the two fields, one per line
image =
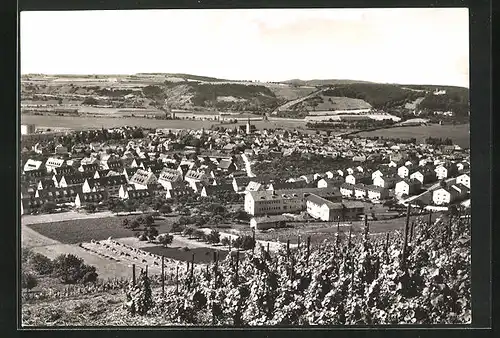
x=248 y=167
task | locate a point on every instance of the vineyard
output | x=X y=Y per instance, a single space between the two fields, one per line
x=419 y=277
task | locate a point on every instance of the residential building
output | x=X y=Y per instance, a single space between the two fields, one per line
x=54 y=162
x=407 y=187
x=142 y=179
x=110 y=184
x=268 y=222
x=168 y=176
x=32 y=165
x=387 y=182
x=323 y=209
x=82 y=199
x=464 y=179
x=347 y=190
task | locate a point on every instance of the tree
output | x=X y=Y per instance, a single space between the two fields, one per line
x=149 y=220
x=245 y=242
x=188 y=231
x=177 y=227
x=41 y=264
x=91 y=207
x=165 y=209
x=125 y=223
x=150 y=233
x=165 y=239
x=48 y=207
x=213 y=237
x=143 y=207
x=28 y=280
x=225 y=241
x=71 y=269
x=135 y=224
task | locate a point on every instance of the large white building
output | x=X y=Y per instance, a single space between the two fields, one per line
x=284 y=201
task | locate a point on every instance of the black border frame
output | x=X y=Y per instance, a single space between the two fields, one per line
x=480 y=97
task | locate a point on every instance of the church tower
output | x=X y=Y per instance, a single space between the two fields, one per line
x=249 y=127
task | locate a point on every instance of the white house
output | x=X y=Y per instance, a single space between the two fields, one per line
x=32 y=165
x=360 y=191
x=168 y=176
x=447 y=195
x=445 y=171
x=464 y=179
x=376 y=193
x=142 y=179
x=385 y=182
x=323 y=209
x=347 y=190
x=407 y=187
x=53 y=162
x=403 y=171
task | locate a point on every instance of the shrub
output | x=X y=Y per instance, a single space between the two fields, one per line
x=48 y=207
x=199 y=234
x=245 y=242
x=41 y=264
x=165 y=239
x=71 y=269
x=213 y=237
x=134 y=225
x=165 y=209
x=225 y=241
x=126 y=223
x=142 y=237
x=28 y=280
x=149 y=220
x=188 y=231
x=176 y=227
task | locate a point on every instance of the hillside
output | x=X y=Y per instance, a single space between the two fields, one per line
x=328 y=82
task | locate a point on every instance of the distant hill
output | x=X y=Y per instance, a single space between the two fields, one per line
x=298 y=82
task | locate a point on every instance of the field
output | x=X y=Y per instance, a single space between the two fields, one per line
x=84 y=230
x=458 y=133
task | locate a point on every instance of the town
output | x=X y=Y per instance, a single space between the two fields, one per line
x=62 y=172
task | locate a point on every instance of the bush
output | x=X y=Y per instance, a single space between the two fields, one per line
x=142 y=237
x=213 y=237
x=149 y=220
x=225 y=241
x=165 y=209
x=41 y=264
x=71 y=269
x=165 y=239
x=134 y=225
x=188 y=231
x=126 y=223
x=245 y=242
x=28 y=281
x=176 y=227
x=48 y=207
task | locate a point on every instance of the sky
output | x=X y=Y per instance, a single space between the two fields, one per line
x=406 y=46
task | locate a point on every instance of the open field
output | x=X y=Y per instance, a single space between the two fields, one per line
x=458 y=133
x=84 y=230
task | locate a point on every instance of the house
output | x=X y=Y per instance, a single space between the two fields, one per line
x=392 y=164
x=352 y=209
x=357 y=178
x=227 y=165
x=112 y=165
x=214 y=190
x=32 y=165
x=350 y=171
x=89 y=160
x=360 y=191
x=59 y=195
x=82 y=199
x=255 y=186
x=71 y=180
x=347 y=190
x=129 y=172
x=192 y=177
x=325 y=210
x=29 y=204
x=288 y=185
x=424 y=176
x=101 y=173
x=447 y=195
x=60 y=149
x=282 y=201
x=178 y=189
x=240 y=183
x=122 y=192
x=308 y=178
x=404 y=171
x=142 y=179
x=407 y=187
x=359 y=158
x=45 y=184
x=136 y=194
x=461 y=166
x=327 y=183
x=376 y=193
x=464 y=179
x=168 y=176
x=445 y=170
x=93 y=167
x=31 y=175
x=268 y=222
x=64 y=170
x=110 y=184
x=54 y=162
x=388 y=182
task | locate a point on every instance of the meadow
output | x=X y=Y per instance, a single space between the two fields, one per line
x=85 y=230
x=458 y=133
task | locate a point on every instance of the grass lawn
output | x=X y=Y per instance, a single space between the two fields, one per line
x=84 y=230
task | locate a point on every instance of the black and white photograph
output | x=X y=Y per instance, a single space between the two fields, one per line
x=244 y=167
